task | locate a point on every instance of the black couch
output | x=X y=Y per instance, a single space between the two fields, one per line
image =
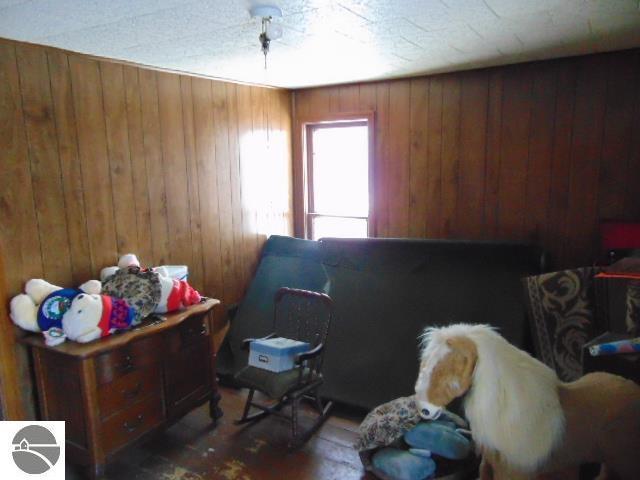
x=386 y=291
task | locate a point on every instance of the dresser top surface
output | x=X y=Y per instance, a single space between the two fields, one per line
x=117 y=340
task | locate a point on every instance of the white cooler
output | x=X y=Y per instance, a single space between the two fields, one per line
x=178 y=272
x=275 y=354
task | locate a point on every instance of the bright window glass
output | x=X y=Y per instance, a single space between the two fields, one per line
x=341 y=171
x=341 y=227
x=338 y=180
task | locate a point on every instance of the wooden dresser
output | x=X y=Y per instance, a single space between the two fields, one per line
x=115 y=391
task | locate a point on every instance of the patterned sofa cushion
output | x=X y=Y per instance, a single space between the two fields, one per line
x=561 y=308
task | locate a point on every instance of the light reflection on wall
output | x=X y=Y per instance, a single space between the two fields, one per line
x=265 y=176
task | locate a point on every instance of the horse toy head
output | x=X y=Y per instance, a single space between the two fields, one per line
x=446 y=370
x=524 y=421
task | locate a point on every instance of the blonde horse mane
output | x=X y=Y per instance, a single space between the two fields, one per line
x=513 y=405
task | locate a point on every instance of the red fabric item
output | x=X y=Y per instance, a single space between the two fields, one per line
x=106 y=314
x=190 y=296
x=182 y=295
x=174 y=300
x=620 y=235
x=628 y=275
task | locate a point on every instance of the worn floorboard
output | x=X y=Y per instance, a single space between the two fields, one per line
x=194 y=449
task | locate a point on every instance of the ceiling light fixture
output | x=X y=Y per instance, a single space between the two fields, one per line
x=269 y=31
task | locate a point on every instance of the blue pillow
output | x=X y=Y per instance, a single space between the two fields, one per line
x=403 y=465
x=440 y=438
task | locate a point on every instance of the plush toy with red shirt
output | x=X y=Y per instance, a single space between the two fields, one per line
x=175 y=294
x=94 y=316
x=80 y=314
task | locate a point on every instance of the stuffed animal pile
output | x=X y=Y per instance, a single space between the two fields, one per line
x=88 y=312
x=174 y=294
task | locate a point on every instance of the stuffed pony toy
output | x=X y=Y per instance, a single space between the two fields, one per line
x=43 y=304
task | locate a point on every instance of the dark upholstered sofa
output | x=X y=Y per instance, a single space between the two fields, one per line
x=386 y=291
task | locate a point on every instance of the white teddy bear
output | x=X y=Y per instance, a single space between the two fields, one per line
x=43 y=304
x=80 y=314
x=93 y=316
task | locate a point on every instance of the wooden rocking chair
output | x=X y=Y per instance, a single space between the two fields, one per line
x=299 y=315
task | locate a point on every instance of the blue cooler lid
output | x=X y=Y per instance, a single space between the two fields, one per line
x=279 y=346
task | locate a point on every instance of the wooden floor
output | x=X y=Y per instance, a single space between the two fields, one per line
x=193 y=449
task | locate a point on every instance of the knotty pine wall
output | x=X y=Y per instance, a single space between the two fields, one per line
x=537 y=152
x=98 y=159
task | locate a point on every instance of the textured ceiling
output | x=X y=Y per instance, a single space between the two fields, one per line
x=325 y=42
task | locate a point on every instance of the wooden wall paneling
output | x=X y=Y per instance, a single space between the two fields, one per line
x=381 y=160
x=223 y=164
x=450 y=157
x=367 y=102
x=418 y=171
x=493 y=150
x=622 y=82
x=274 y=188
x=277 y=188
x=152 y=139
x=348 y=97
x=117 y=131
x=94 y=161
x=366 y=97
x=469 y=216
x=207 y=185
x=259 y=172
x=245 y=125
x=19 y=223
x=44 y=162
x=586 y=149
x=297 y=166
x=138 y=164
x=70 y=166
x=561 y=159
x=540 y=154
x=11 y=402
x=19 y=234
x=242 y=275
x=196 y=269
x=433 y=227
x=100 y=159
x=286 y=126
x=397 y=177
x=317 y=102
x=334 y=100
x=305 y=103
x=514 y=154
x=175 y=169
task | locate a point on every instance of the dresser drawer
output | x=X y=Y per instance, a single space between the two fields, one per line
x=124 y=360
x=191 y=332
x=187 y=377
x=131 y=423
x=128 y=389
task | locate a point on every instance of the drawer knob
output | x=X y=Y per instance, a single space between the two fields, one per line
x=133 y=426
x=127 y=364
x=201 y=330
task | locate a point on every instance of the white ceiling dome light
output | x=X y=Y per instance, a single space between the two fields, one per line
x=270 y=31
